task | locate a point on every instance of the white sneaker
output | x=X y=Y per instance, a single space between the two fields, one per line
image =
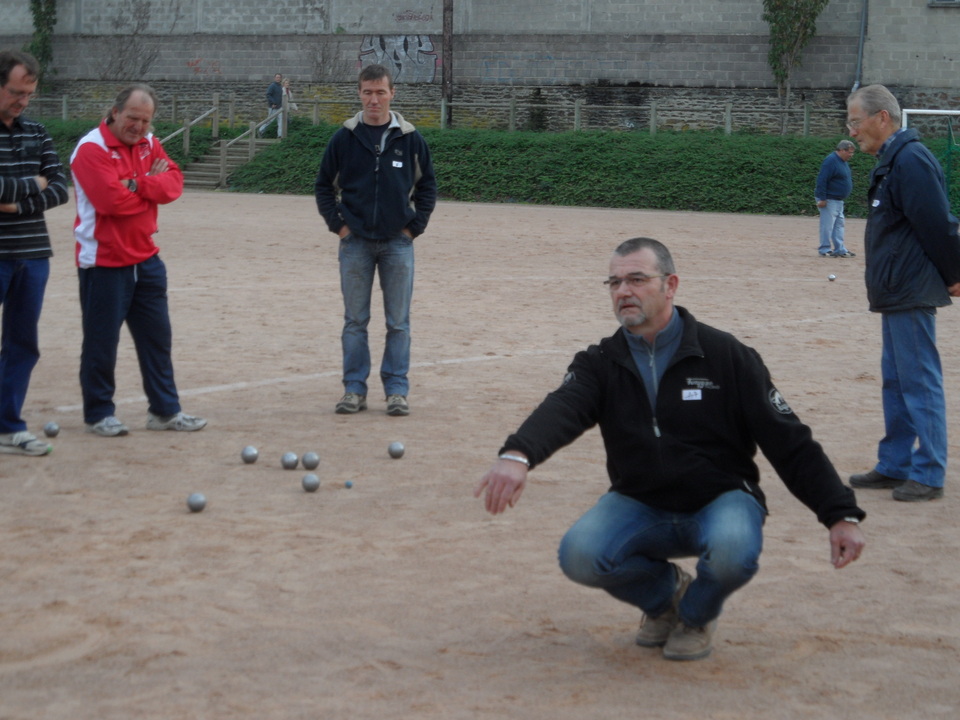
x=24 y=443
x=180 y=422
x=110 y=426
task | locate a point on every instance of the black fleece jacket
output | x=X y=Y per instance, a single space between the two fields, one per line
x=716 y=404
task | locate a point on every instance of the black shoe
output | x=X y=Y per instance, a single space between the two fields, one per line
x=874 y=481
x=912 y=491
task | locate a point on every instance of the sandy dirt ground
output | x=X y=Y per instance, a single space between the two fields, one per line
x=400 y=598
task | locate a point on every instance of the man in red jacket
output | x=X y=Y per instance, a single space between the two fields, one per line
x=121 y=174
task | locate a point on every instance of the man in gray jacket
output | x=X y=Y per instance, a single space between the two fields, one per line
x=913 y=267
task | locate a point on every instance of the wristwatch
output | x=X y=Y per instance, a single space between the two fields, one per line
x=854 y=520
x=132 y=185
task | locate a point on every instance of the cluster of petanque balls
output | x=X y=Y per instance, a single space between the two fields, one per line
x=289 y=461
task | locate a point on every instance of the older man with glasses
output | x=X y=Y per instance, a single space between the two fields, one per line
x=682 y=408
x=913 y=267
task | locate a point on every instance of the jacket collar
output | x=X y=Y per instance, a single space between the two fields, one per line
x=894 y=144
x=396 y=120
x=616 y=344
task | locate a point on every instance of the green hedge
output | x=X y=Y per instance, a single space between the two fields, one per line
x=66 y=133
x=701 y=171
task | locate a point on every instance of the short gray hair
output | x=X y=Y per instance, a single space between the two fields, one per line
x=664 y=259
x=874 y=98
x=846 y=145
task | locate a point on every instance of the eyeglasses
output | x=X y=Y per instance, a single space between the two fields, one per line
x=634 y=281
x=855 y=124
x=18 y=94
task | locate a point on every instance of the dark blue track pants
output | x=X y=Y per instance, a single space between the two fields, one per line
x=138 y=295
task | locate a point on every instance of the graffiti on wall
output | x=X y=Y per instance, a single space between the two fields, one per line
x=204 y=67
x=413 y=16
x=411 y=58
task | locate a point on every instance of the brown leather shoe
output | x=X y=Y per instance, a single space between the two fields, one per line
x=912 y=491
x=874 y=481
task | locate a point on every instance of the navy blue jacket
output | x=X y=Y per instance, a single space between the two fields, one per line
x=274 y=95
x=715 y=405
x=834 y=181
x=376 y=191
x=911 y=243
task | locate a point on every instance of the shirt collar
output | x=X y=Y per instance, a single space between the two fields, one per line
x=886 y=143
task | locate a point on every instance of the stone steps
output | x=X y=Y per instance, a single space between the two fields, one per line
x=205 y=172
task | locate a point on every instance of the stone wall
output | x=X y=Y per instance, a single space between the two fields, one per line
x=689 y=43
x=689 y=57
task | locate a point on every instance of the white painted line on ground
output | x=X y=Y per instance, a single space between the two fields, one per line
x=245 y=385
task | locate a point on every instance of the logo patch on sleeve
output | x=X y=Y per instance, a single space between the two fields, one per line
x=779 y=403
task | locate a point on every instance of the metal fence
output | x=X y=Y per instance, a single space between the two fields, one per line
x=652 y=116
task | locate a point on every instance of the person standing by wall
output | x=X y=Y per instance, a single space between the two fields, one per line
x=274 y=104
x=31 y=181
x=121 y=174
x=834 y=185
x=912 y=268
x=376 y=190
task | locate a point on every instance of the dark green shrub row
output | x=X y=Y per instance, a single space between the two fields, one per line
x=700 y=171
x=66 y=133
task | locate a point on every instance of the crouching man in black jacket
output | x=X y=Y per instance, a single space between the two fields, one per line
x=682 y=408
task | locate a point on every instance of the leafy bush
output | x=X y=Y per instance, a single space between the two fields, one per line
x=66 y=134
x=673 y=171
x=700 y=171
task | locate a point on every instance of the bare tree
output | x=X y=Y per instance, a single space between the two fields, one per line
x=129 y=52
x=329 y=63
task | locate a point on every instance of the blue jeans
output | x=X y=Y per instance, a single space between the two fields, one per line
x=359 y=259
x=831 y=227
x=914 y=406
x=624 y=547
x=137 y=295
x=22 y=284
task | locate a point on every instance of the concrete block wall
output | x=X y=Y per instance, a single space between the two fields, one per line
x=678 y=43
x=919 y=45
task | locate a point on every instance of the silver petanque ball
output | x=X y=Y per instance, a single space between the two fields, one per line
x=310 y=460
x=396 y=449
x=250 y=454
x=196 y=502
x=831 y=278
x=310 y=482
x=51 y=429
x=289 y=461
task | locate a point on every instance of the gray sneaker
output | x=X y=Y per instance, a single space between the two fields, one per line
x=654 y=631
x=24 y=443
x=180 y=422
x=397 y=405
x=690 y=643
x=110 y=426
x=351 y=403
